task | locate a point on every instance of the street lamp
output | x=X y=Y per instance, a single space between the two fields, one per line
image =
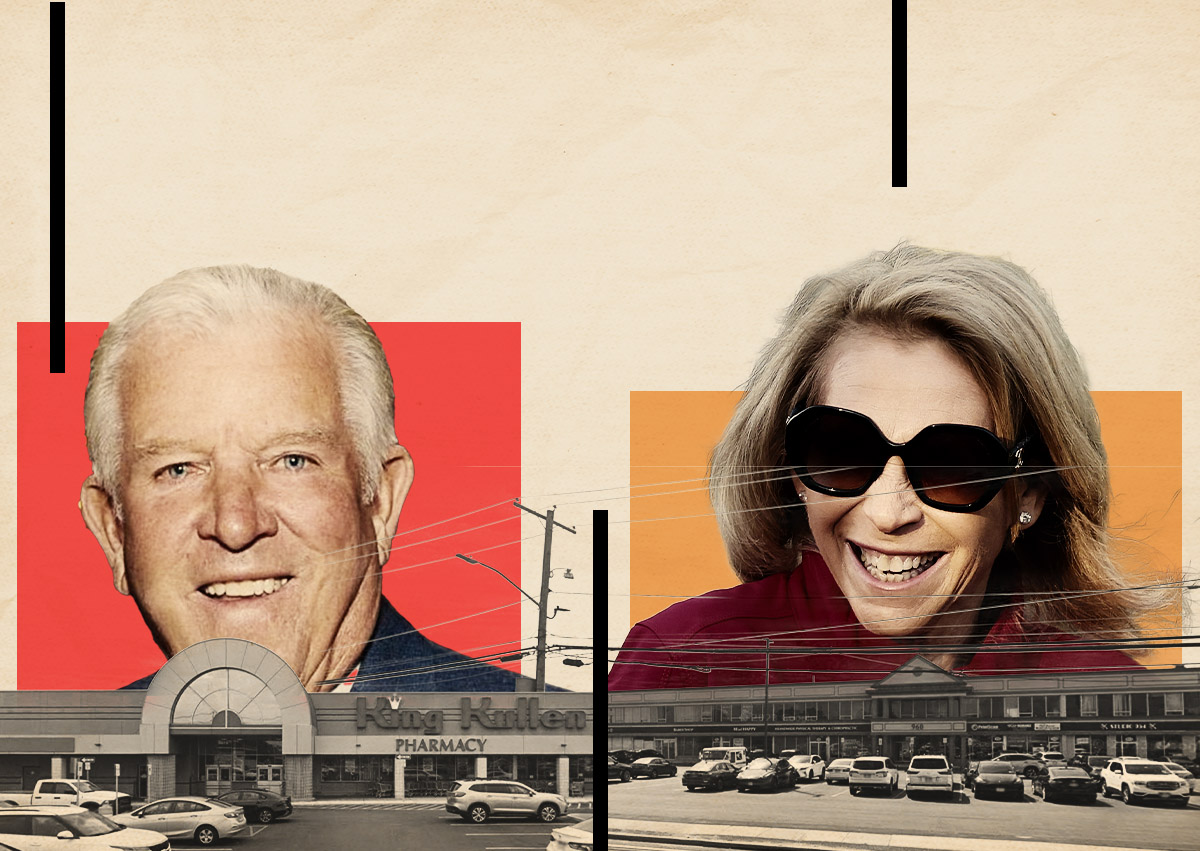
x=540 y=680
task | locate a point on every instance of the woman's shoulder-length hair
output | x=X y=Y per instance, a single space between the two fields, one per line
x=1001 y=323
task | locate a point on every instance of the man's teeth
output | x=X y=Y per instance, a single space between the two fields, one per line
x=888 y=568
x=245 y=588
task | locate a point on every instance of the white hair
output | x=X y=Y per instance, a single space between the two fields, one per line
x=206 y=299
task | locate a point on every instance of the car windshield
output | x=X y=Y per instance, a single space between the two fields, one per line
x=996 y=768
x=90 y=824
x=86 y=786
x=841 y=763
x=761 y=762
x=799 y=758
x=705 y=765
x=927 y=762
x=1134 y=768
x=714 y=753
x=868 y=764
x=646 y=760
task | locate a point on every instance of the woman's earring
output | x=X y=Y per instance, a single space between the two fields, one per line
x=1025 y=518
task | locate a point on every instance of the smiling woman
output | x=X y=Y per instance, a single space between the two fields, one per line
x=915 y=467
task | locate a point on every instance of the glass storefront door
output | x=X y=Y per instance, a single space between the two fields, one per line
x=212 y=765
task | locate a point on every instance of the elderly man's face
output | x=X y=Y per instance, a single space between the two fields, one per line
x=242 y=510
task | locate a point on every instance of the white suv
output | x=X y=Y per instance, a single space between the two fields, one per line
x=1142 y=780
x=808 y=766
x=479 y=800
x=929 y=774
x=873 y=772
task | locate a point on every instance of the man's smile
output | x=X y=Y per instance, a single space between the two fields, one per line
x=245 y=587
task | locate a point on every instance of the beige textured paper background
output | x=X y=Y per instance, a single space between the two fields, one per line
x=641 y=185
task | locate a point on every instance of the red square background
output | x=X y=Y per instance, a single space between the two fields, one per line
x=458 y=411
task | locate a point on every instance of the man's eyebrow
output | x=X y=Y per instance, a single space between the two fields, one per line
x=316 y=434
x=154 y=448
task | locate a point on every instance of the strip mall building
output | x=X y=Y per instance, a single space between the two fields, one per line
x=920 y=708
x=227 y=714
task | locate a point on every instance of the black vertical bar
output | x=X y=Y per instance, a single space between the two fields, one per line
x=599 y=599
x=899 y=93
x=58 y=325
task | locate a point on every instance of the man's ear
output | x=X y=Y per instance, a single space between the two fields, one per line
x=394 y=482
x=100 y=516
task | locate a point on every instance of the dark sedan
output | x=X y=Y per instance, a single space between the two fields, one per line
x=1056 y=783
x=765 y=773
x=260 y=805
x=996 y=778
x=618 y=770
x=710 y=774
x=653 y=766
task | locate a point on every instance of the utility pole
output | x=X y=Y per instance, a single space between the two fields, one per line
x=767 y=702
x=540 y=679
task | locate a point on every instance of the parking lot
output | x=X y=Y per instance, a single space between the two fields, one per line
x=388 y=828
x=817 y=805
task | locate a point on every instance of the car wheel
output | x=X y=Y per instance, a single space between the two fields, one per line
x=674 y=771
x=1105 y=791
x=206 y=835
x=547 y=813
x=626 y=776
x=1125 y=795
x=691 y=788
x=265 y=816
x=853 y=790
x=478 y=813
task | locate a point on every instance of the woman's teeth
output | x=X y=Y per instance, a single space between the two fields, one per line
x=245 y=588
x=887 y=568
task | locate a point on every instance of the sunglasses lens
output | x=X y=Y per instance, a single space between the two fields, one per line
x=956 y=466
x=835 y=452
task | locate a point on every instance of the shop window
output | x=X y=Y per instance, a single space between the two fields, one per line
x=665 y=714
x=747 y=711
x=1106 y=704
x=616 y=714
x=1122 y=705
x=1055 y=706
x=1126 y=746
x=810 y=711
x=706 y=712
x=756 y=712
x=1191 y=704
x=726 y=712
x=845 y=710
x=1089 y=705
x=687 y=714
x=1173 y=703
x=970 y=707
x=823 y=710
x=1012 y=707
x=1155 y=704
x=789 y=712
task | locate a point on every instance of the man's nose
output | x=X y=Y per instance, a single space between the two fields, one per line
x=238 y=514
x=890 y=502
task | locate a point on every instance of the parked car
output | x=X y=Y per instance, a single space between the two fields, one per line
x=1062 y=782
x=710 y=774
x=766 y=773
x=807 y=766
x=929 y=774
x=1025 y=764
x=85 y=829
x=838 y=771
x=996 y=777
x=478 y=800
x=1096 y=764
x=63 y=791
x=619 y=770
x=202 y=819
x=572 y=837
x=653 y=766
x=873 y=772
x=1185 y=774
x=623 y=756
x=1137 y=779
x=739 y=756
x=261 y=805
x=1052 y=758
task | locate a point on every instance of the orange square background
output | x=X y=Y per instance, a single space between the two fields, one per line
x=675 y=550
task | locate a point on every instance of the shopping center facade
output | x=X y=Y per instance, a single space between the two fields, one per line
x=228 y=713
x=921 y=708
